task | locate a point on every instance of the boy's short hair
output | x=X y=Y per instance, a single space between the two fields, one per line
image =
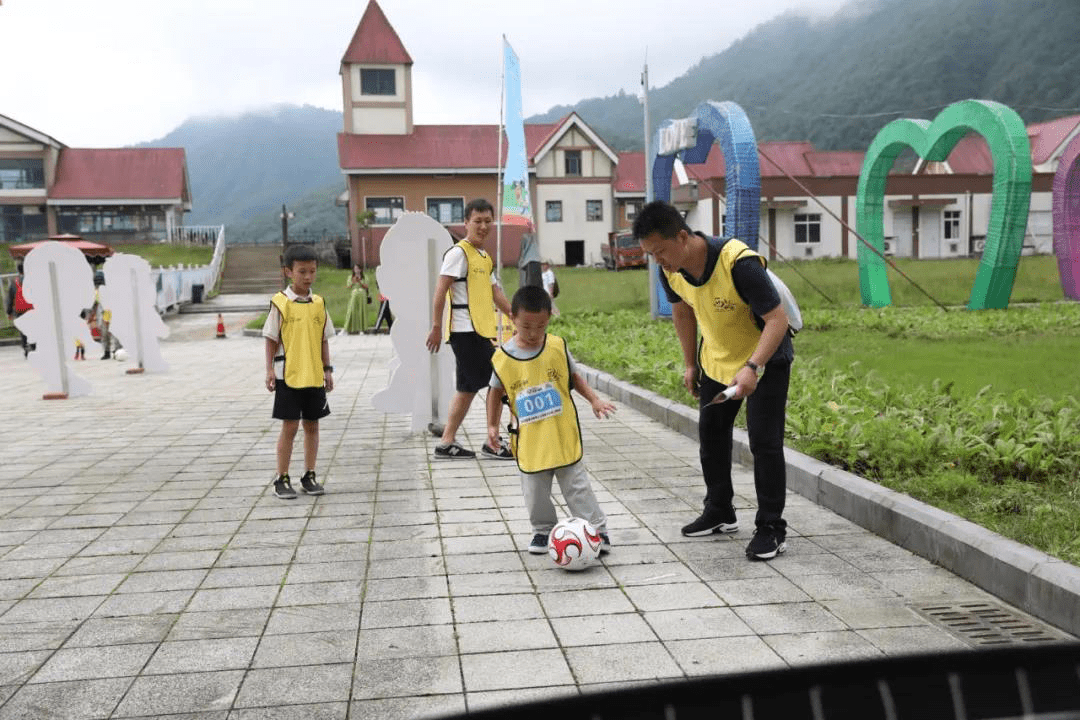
x=298 y=253
x=19 y=268
x=659 y=217
x=530 y=298
x=478 y=205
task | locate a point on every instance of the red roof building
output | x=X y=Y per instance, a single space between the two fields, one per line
x=113 y=196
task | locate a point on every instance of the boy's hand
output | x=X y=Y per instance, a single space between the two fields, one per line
x=493 y=437
x=434 y=339
x=270 y=380
x=602 y=408
x=328 y=379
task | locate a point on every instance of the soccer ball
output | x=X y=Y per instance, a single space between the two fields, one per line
x=121 y=355
x=574 y=544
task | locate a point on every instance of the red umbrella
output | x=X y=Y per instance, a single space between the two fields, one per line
x=95 y=252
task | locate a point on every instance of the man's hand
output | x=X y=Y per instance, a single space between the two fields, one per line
x=689 y=381
x=328 y=379
x=271 y=381
x=434 y=339
x=601 y=408
x=746 y=379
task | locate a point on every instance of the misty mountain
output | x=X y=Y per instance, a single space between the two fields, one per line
x=243 y=168
x=803 y=79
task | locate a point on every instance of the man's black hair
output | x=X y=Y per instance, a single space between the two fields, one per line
x=19 y=268
x=659 y=216
x=298 y=253
x=478 y=205
x=530 y=298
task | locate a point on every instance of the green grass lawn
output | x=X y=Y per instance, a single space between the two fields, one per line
x=156 y=254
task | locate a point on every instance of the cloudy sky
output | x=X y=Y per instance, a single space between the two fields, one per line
x=107 y=73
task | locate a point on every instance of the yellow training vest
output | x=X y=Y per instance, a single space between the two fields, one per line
x=548 y=435
x=302 y=326
x=478 y=285
x=728 y=331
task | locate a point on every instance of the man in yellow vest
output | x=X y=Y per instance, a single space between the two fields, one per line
x=719 y=285
x=467 y=278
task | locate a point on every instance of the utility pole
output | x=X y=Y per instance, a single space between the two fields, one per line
x=285 y=215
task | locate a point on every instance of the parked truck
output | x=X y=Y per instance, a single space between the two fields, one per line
x=622 y=251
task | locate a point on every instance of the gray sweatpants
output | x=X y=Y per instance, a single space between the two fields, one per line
x=576 y=491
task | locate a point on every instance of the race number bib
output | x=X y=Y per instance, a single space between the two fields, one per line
x=537 y=403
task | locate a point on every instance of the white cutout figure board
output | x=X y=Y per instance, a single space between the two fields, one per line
x=420 y=384
x=129 y=293
x=60 y=285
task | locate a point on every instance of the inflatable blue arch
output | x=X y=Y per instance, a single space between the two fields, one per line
x=691 y=139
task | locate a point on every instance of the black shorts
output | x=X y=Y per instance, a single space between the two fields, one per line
x=472 y=352
x=299 y=403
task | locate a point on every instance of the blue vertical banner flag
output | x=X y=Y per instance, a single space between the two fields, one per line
x=516 y=204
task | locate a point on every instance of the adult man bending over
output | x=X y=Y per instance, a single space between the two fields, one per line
x=468 y=279
x=720 y=286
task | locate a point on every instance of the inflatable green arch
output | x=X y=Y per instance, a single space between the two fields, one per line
x=1007 y=138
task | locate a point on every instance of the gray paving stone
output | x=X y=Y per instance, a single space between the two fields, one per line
x=163 y=580
x=907 y=640
x=672 y=596
x=89 y=699
x=478 y=608
x=405 y=588
x=505 y=635
x=823 y=647
x=149 y=603
x=307 y=649
x=320 y=711
x=233 y=598
x=416 y=641
x=520 y=669
x=602 y=629
x=97 y=632
x=491 y=699
x=746 y=653
x=410 y=708
x=313 y=618
x=401 y=613
x=758 y=591
x=491 y=583
x=616 y=663
x=17 y=667
x=244 y=576
x=82 y=663
x=405 y=677
x=155 y=695
x=51 y=609
x=696 y=623
x=189 y=656
x=788 y=618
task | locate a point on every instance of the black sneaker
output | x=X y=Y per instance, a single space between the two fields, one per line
x=710 y=522
x=309 y=485
x=283 y=488
x=453 y=451
x=503 y=453
x=605 y=544
x=767 y=543
x=539 y=544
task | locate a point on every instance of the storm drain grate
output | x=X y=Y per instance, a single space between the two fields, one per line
x=985 y=623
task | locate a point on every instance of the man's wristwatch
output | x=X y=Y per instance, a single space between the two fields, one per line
x=328 y=368
x=758 y=369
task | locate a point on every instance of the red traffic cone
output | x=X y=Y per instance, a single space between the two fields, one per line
x=220 y=326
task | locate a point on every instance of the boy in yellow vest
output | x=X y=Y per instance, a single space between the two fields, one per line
x=298 y=369
x=467 y=279
x=535 y=372
x=720 y=286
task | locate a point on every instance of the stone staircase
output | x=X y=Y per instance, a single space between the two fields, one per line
x=252 y=269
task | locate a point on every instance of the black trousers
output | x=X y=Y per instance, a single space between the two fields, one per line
x=765 y=413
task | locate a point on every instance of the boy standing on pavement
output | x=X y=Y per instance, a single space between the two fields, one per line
x=467 y=278
x=298 y=369
x=535 y=372
x=720 y=286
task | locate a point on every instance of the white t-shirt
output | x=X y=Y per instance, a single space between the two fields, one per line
x=272 y=329
x=456 y=265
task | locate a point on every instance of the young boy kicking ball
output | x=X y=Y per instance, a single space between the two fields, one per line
x=298 y=369
x=536 y=372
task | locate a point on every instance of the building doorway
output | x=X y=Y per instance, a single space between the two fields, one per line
x=575 y=252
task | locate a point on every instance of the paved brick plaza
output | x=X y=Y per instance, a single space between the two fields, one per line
x=145 y=569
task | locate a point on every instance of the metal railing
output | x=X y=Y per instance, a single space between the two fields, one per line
x=174 y=283
x=193 y=235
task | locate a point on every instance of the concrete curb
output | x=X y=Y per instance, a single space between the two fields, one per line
x=1037 y=583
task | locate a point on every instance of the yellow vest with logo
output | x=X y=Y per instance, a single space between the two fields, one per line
x=728 y=331
x=548 y=434
x=302 y=326
x=477 y=281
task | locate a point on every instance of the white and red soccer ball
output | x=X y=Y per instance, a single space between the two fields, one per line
x=574 y=544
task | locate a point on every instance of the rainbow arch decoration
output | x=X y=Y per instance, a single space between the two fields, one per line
x=1010 y=149
x=691 y=139
x=1066 y=203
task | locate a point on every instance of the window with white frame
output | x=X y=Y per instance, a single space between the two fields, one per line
x=594 y=210
x=572 y=163
x=807 y=228
x=377 y=81
x=952 y=224
x=632 y=209
x=386 y=209
x=553 y=211
x=447 y=210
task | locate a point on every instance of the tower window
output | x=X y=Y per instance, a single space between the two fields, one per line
x=377 y=81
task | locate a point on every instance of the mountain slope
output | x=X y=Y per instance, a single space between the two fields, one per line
x=794 y=75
